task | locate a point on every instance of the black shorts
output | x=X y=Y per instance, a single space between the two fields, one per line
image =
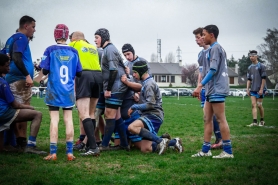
x=89 y=85
x=52 y=108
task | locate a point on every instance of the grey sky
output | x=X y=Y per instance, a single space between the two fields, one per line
x=242 y=23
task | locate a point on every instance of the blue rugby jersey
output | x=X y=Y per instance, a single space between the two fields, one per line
x=63 y=63
x=21 y=45
x=6 y=96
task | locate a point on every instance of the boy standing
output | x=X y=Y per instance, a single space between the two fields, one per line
x=217 y=88
x=256 y=76
x=62 y=63
x=202 y=59
x=113 y=89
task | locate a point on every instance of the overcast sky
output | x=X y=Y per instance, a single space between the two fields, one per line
x=242 y=23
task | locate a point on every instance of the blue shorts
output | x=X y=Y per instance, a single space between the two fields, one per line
x=151 y=122
x=256 y=94
x=215 y=98
x=114 y=102
x=134 y=138
x=203 y=97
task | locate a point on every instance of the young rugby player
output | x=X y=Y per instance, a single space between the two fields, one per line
x=256 y=87
x=61 y=63
x=216 y=84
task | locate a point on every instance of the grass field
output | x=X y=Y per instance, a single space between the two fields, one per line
x=255 y=150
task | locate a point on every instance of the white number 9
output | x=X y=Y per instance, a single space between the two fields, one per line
x=64 y=74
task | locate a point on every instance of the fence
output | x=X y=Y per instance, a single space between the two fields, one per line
x=238 y=92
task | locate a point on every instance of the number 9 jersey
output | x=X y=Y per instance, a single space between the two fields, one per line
x=63 y=63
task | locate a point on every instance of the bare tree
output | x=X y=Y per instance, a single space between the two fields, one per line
x=269 y=50
x=153 y=58
x=170 y=58
x=191 y=73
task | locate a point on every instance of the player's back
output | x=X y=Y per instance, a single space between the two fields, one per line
x=150 y=93
x=112 y=60
x=63 y=63
x=88 y=55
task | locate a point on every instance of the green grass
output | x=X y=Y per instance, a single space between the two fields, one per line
x=255 y=150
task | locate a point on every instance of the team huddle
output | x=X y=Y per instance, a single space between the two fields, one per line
x=112 y=96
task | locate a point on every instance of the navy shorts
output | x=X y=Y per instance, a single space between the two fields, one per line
x=134 y=138
x=151 y=122
x=89 y=85
x=115 y=101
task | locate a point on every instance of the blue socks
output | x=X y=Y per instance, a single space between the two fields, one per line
x=154 y=146
x=144 y=133
x=69 y=147
x=108 y=131
x=120 y=126
x=53 y=148
x=206 y=147
x=227 y=146
x=31 y=141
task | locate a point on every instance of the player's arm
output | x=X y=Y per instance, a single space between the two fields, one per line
x=263 y=76
x=249 y=79
x=17 y=58
x=207 y=78
x=150 y=100
x=133 y=85
x=17 y=105
x=200 y=74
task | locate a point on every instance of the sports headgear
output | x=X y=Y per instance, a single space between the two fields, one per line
x=253 y=53
x=128 y=47
x=141 y=68
x=61 y=31
x=104 y=34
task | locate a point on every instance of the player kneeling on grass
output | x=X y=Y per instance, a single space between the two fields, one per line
x=150 y=105
x=61 y=63
x=12 y=112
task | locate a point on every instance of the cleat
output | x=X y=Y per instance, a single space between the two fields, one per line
x=252 y=125
x=178 y=146
x=79 y=147
x=70 y=157
x=223 y=155
x=34 y=150
x=162 y=146
x=50 y=157
x=91 y=152
x=202 y=154
x=166 y=135
x=217 y=145
x=262 y=123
